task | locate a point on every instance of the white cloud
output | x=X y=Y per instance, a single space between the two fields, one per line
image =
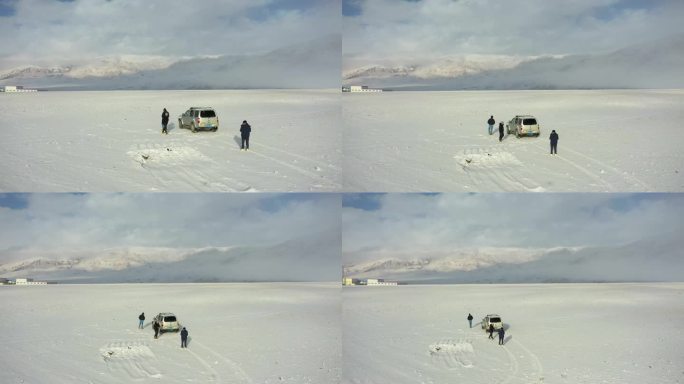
x=427 y=30
x=99 y=221
x=55 y=33
x=406 y=223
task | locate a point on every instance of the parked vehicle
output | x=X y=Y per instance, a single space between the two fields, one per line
x=523 y=125
x=197 y=118
x=492 y=319
x=167 y=322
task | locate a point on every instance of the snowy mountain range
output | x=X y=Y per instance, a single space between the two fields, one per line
x=639 y=261
x=659 y=64
x=312 y=259
x=312 y=65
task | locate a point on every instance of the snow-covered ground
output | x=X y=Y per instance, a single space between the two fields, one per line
x=581 y=333
x=111 y=141
x=610 y=141
x=238 y=333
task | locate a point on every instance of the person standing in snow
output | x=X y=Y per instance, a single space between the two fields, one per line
x=165 y=121
x=142 y=320
x=184 y=338
x=491 y=331
x=491 y=123
x=554 y=142
x=502 y=333
x=501 y=131
x=156 y=329
x=470 y=320
x=245 y=130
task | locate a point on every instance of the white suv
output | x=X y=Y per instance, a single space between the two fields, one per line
x=197 y=118
x=167 y=322
x=523 y=125
x=494 y=320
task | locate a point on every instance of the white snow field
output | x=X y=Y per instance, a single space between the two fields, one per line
x=610 y=141
x=556 y=333
x=111 y=141
x=238 y=333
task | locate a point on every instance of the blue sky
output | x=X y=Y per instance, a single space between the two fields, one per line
x=354 y=7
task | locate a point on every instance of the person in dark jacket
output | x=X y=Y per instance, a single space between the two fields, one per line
x=165 y=121
x=491 y=331
x=491 y=123
x=142 y=320
x=184 y=338
x=501 y=131
x=245 y=130
x=502 y=333
x=554 y=142
x=156 y=329
x=470 y=320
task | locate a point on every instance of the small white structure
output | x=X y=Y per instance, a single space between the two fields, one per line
x=16 y=89
x=22 y=281
x=360 y=88
x=380 y=282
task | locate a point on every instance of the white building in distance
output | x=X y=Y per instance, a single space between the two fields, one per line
x=22 y=281
x=360 y=88
x=15 y=89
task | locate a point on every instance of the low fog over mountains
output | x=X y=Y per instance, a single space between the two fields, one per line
x=659 y=64
x=315 y=258
x=636 y=262
x=312 y=65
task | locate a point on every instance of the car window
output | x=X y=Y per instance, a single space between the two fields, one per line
x=208 y=113
x=530 y=122
x=170 y=318
x=495 y=320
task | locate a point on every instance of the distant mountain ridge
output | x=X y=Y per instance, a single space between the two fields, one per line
x=638 y=261
x=658 y=64
x=311 y=259
x=314 y=64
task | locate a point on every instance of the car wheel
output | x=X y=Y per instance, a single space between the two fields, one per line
x=215 y=129
x=180 y=123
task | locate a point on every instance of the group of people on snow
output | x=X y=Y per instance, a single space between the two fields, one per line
x=245 y=129
x=157 y=329
x=491 y=123
x=501 y=332
x=553 y=138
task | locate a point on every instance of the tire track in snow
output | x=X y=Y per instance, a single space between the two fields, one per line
x=213 y=373
x=536 y=364
x=300 y=170
x=615 y=170
x=242 y=377
x=515 y=367
x=608 y=187
x=315 y=162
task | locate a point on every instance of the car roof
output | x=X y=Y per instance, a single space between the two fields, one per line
x=166 y=313
x=525 y=116
x=201 y=108
x=493 y=315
